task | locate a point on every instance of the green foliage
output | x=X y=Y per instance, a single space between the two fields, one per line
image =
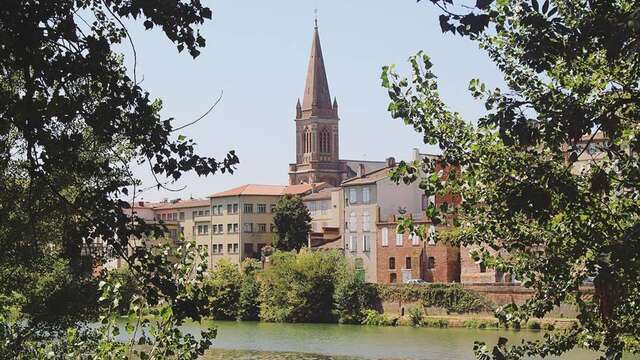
x=352 y=296
x=248 y=305
x=416 y=317
x=533 y=324
x=223 y=287
x=451 y=297
x=299 y=287
x=293 y=223
x=555 y=205
x=436 y=323
x=74 y=122
x=481 y=324
x=374 y=318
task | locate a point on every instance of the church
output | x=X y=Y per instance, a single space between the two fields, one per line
x=318 y=132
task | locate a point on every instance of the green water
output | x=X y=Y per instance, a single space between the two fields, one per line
x=265 y=341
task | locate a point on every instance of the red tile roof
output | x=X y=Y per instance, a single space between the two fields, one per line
x=267 y=190
x=181 y=204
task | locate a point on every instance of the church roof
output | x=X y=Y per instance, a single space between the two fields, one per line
x=317 y=99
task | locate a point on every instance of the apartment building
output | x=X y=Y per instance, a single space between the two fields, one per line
x=242 y=220
x=327 y=215
x=368 y=198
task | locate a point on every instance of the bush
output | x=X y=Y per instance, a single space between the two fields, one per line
x=533 y=325
x=222 y=286
x=437 y=323
x=351 y=297
x=374 y=318
x=248 y=306
x=548 y=326
x=480 y=324
x=416 y=317
x=451 y=297
x=299 y=287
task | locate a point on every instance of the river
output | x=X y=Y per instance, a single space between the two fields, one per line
x=266 y=341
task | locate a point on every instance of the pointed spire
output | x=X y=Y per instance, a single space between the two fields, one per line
x=316 y=100
x=298 y=110
x=335 y=106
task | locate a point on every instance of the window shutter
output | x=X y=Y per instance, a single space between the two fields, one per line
x=385 y=236
x=399 y=239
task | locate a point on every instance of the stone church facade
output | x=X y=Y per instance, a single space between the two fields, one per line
x=318 y=132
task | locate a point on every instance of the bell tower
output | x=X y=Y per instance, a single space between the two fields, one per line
x=317 y=132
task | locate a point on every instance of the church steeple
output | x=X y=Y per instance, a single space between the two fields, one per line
x=316 y=100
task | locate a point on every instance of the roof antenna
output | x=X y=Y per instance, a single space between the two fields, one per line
x=315 y=11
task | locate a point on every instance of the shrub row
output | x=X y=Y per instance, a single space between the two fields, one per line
x=451 y=297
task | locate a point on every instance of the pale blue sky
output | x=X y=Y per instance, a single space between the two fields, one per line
x=257 y=52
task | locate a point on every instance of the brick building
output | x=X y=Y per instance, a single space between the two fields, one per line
x=402 y=257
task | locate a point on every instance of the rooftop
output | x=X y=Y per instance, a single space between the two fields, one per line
x=267 y=190
x=181 y=204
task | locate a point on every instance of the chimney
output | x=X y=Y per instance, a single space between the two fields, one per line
x=415 y=154
x=391 y=162
x=360 y=171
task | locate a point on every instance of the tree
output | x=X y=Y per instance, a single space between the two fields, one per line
x=248 y=306
x=572 y=68
x=293 y=223
x=223 y=290
x=73 y=121
x=299 y=287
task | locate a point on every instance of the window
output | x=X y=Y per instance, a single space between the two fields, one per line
x=214 y=249
x=214 y=210
x=352 y=196
x=181 y=215
x=235 y=248
x=432 y=235
x=203 y=229
x=366 y=196
x=353 y=243
x=426 y=201
x=262 y=208
x=174 y=216
x=262 y=227
x=407 y=262
x=219 y=209
x=366 y=221
x=206 y=249
x=415 y=239
x=236 y=227
x=163 y=217
x=229 y=228
x=273 y=208
x=200 y=213
x=207 y=213
x=483 y=268
x=431 y=262
x=366 y=243
x=393 y=278
x=248 y=208
x=220 y=228
x=235 y=208
x=248 y=227
x=399 y=239
x=220 y=248
x=229 y=248
x=229 y=209
x=392 y=263
x=194 y=214
x=353 y=221
x=385 y=236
